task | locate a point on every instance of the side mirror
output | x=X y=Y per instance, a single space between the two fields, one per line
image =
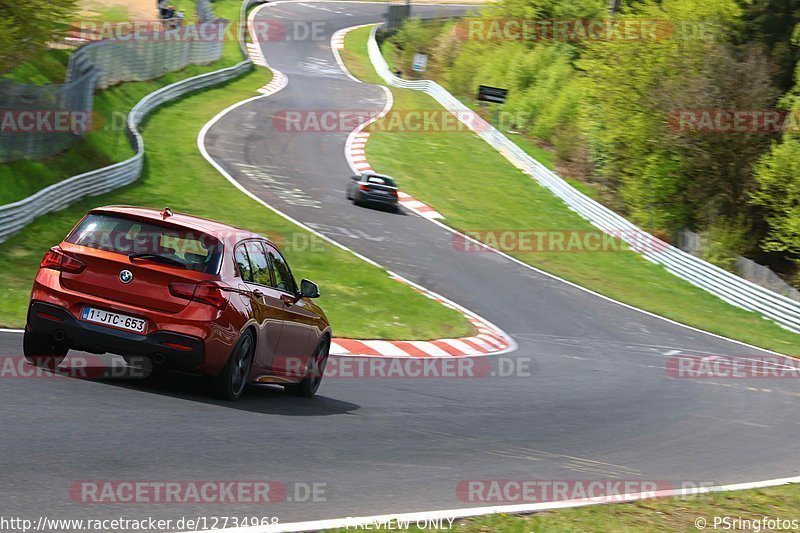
x=355 y=178
x=309 y=289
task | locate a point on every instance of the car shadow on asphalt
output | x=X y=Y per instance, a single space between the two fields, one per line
x=392 y=210
x=264 y=399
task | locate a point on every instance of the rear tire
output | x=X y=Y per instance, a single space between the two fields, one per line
x=42 y=350
x=231 y=382
x=316 y=370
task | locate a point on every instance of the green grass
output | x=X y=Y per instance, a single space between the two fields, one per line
x=457 y=173
x=668 y=514
x=361 y=300
x=49 y=67
x=545 y=156
x=390 y=53
x=100 y=12
x=106 y=143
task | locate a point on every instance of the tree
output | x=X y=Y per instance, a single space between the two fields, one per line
x=771 y=22
x=669 y=177
x=27 y=26
x=552 y=9
x=413 y=37
x=778 y=178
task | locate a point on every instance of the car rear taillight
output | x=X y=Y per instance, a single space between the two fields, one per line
x=393 y=192
x=363 y=187
x=207 y=293
x=176 y=346
x=55 y=259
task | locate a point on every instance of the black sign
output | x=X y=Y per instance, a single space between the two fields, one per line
x=492 y=94
x=396 y=15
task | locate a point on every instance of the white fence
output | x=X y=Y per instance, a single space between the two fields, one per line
x=691 y=242
x=715 y=280
x=143 y=55
x=152 y=52
x=15 y=216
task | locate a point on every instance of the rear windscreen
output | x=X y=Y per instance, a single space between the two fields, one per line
x=381 y=180
x=194 y=249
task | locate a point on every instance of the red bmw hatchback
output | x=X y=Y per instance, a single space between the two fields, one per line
x=186 y=293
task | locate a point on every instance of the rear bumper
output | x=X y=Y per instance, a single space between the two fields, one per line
x=383 y=199
x=49 y=319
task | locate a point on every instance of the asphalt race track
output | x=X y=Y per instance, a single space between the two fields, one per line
x=598 y=403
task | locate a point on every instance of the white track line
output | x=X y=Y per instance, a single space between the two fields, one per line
x=361 y=521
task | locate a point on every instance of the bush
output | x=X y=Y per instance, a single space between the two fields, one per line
x=414 y=37
x=725 y=240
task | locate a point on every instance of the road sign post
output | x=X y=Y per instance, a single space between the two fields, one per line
x=495 y=95
x=420 y=63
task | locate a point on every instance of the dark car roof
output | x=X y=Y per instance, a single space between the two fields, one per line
x=218 y=229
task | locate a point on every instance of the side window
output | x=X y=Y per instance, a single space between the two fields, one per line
x=283 y=276
x=258 y=260
x=243 y=263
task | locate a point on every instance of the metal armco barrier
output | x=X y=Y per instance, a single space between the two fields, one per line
x=17 y=215
x=721 y=283
x=153 y=53
x=145 y=54
x=75 y=96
